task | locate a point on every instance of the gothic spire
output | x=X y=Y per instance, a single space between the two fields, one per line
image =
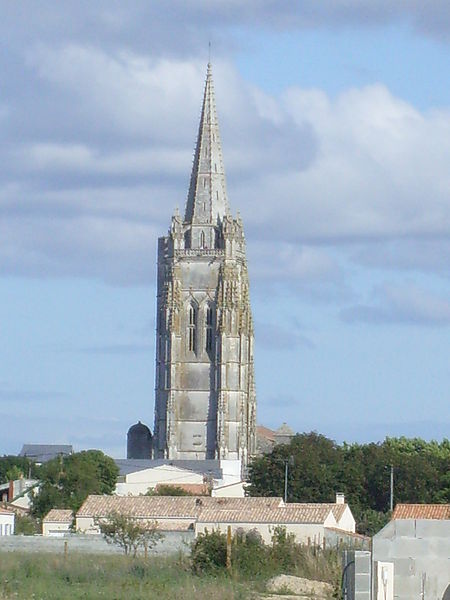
x=207 y=201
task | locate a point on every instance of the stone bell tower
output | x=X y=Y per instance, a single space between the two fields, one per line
x=205 y=404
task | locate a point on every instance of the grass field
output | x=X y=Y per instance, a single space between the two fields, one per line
x=53 y=577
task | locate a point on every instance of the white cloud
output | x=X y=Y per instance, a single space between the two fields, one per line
x=304 y=169
x=402 y=303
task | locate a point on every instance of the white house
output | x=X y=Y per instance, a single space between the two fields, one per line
x=137 y=476
x=57 y=522
x=140 y=481
x=310 y=523
x=7 y=520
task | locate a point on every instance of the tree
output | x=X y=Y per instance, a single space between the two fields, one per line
x=313 y=473
x=25 y=525
x=12 y=467
x=67 y=481
x=128 y=533
x=168 y=490
x=319 y=468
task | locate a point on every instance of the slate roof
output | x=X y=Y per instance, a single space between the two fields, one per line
x=45 y=452
x=203 y=467
x=422 y=511
x=59 y=515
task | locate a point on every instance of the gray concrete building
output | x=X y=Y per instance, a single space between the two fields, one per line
x=205 y=404
x=416 y=542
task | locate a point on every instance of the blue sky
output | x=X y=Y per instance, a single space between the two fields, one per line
x=335 y=119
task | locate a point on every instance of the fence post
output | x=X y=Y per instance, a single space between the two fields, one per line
x=229 y=548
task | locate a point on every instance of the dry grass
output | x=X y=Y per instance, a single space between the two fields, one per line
x=51 y=577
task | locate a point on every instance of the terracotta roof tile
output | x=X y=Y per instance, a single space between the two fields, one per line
x=165 y=506
x=422 y=511
x=290 y=513
x=58 y=515
x=196 y=489
x=5 y=511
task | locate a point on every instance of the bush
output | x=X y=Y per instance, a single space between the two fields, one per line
x=25 y=525
x=251 y=558
x=209 y=552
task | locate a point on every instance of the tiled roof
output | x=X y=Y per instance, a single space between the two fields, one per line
x=421 y=511
x=352 y=534
x=5 y=511
x=196 y=489
x=260 y=513
x=58 y=515
x=207 y=509
x=338 y=510
x=265 y=432
x=154 y=507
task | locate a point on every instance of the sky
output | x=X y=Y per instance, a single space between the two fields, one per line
x=335 y=123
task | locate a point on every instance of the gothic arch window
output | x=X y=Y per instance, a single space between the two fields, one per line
x=209 y=325
x=202 y=239
x=192 y=328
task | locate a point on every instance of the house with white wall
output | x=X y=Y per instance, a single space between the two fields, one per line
x=310 y=523
x=57 y=522
x=138 y=476
x=7 y=521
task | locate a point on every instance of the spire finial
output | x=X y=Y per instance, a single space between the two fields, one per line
x=209 y=53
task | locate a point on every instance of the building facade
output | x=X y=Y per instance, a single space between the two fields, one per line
x=205 y=404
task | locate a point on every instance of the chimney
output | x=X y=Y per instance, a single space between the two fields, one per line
x=340 y=498
x=11 y=491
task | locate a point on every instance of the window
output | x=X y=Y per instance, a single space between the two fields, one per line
x=192 y=326
x=209 y=329
x=202 y=239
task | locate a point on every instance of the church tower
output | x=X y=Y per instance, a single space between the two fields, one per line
x=205 y=404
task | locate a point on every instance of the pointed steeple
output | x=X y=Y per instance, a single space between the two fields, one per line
x=207 y=201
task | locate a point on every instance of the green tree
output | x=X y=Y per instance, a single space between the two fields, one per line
x=313 y=470
x=67 y=481
x=129 y=533
x=25 y=525
x=168 y=490
x=15 y=466
x=319 y=468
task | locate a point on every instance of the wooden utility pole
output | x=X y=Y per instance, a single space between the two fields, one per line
x=229 y=548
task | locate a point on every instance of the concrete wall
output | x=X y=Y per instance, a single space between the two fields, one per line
x=87 y=525
x=357 y=575
x=420 y=552
x=172 y=543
